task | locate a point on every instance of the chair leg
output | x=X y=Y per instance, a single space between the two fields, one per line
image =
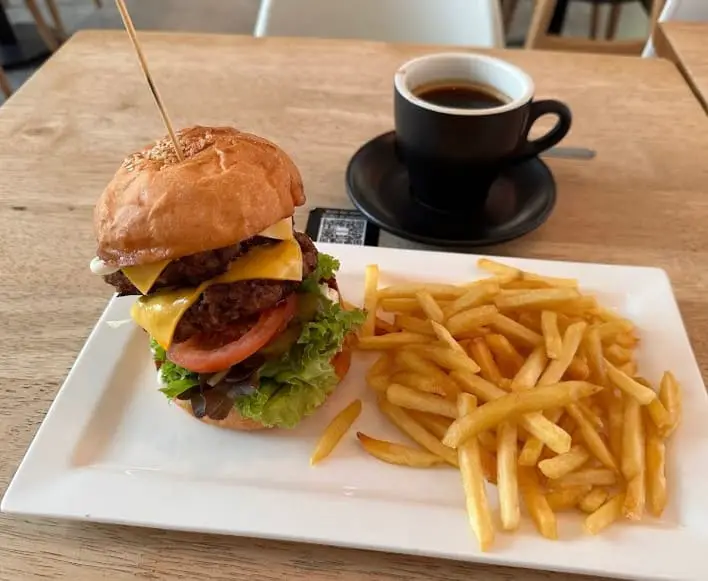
x=594 y=20
x=5 y=86
x=508 y=10
x=56 y=18
x=613 y=21
x=42 y=27
x=540 y=19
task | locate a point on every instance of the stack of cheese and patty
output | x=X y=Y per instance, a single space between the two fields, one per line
x=244 y=314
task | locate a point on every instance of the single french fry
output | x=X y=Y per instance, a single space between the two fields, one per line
x=626 y=340
x=557 y=367
x=431 y=309
x=480 y=515
x=498 y=268
x=398 y=453
x=670 y=396
x=578 y=370
x=632 y=439
x=587 y=476
x=531 y=370
x=535 y=298
x=537 y=504
x=335 y=431
x=416 y=363
x=371 y=283
x=417 y=381
x=529 y=319
x=655 y=459
x=392 y=341
x=444 y=335
x=551 y=281
x=449 y=359
x=551 y=334
x=413 y=399
x=622 y=381
x=535 y=423
x=400 y=305
x=604 y=516
x=514 y=331
x=596 y=361
x=563 y=464
x=505 y=354
x=414 y=325
x=615 y=421
x=409 y=290
x=516 y=403
x=474 y=297
x=507 y=478
x=635 y=498
x=533 y=447
x=418 y=433
x=608 y=331
x=591 y=416
x=479 y=350
x=617 y=355
x=593 y=500
x=471 y=319
x=629 y=368
x=656 y=410
x=561 y=499
x=593 y=441
x=436 y=425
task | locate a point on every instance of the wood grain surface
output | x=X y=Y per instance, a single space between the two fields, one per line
x=642 y=201
x=685 y=44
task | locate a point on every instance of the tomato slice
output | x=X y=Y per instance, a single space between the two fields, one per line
x=199 y=354
x=341 y=362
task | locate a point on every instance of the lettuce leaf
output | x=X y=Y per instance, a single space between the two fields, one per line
x=294 y=385
x=176 y=379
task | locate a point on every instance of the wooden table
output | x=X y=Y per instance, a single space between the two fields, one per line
x=685 y=44
x=640 y=201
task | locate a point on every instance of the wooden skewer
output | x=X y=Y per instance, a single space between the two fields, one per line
x=128 y=22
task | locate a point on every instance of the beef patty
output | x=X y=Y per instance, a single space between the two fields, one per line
x=220 y=306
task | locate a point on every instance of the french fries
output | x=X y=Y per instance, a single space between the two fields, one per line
x=335 y=431
x=398 y=453
x=480 y=514
x=416 y=432
x=371 y=283
x=525 y=382
x=413 y=399
x=513 y=404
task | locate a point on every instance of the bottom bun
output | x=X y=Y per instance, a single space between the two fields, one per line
x=234 y=421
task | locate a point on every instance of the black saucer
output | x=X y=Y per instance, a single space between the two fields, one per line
x=521 y=199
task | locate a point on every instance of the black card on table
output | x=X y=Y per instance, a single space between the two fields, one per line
x=341 y=227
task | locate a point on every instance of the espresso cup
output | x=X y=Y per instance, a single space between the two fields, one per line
x=460 y=119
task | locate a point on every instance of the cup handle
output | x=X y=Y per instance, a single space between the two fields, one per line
x=559 y=131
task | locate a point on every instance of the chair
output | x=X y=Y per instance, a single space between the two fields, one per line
x=457 y=22
x=5 y=86
x=44 y=30
x=538 y=38
x=686 y=10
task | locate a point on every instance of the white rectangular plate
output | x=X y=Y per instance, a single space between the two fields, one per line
x=112 y=449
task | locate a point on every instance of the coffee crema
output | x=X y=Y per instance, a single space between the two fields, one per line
x=461 y=95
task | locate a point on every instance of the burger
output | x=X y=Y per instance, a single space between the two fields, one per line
x=244 y=316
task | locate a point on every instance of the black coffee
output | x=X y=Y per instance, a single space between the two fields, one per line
x=461 y=95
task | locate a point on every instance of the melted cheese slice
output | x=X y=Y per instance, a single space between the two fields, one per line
x=160 y=312
x=282 y=230
x=145 y=275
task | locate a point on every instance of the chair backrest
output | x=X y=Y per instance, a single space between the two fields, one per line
x=687 y=10
x=460 y=22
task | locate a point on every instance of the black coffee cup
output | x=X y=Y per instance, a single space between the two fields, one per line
x=460 y=119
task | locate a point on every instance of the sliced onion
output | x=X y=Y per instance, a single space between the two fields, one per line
x=217 y=377
x=117 y=324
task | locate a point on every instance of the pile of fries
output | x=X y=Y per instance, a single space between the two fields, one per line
x=522 y=381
